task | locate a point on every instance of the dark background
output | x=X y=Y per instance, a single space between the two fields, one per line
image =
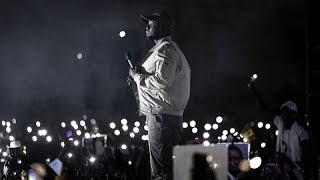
x=225 y=42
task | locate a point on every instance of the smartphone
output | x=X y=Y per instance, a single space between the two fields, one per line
x=32 y=175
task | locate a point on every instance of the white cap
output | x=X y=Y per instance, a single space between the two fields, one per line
x=14 y=144
x=290 y=105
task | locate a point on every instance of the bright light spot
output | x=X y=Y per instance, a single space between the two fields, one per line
x=122 y=34
x=184 y=125
x=215 y=126
x=2 y=160
x=129 y=162
x=215 y=165
x=5 y=154
x=63 y=124
x=79 y=56
x=117 y=132
x=145 y=127
x=44 y=132
x=92 y=159
x=206 y=143
x=192 y=123
x=98 y=135
x=48 y=160
x=207 y=127
x=125 y=127
x=11 y=138
x=241 y=135
x=93 y=121
x=78 y=132
x=29 y=129
x=87 y=135
x=8 y=129
x=209 y=158
x=14 y=121
x=73 y=123
x=206 y=135
x=70 y=155
x=219 y=137
x=135 y=130
x=232 y=130
x=194 y=130
x=112 y=125
x=38 y=124
x=224 y=132
x=144 y=137
x=235 y=134
x=49 y=138
x=63 y=144
x=40 y=132
x=34 y=138
x=132 y=134
x=8 y=124
x=255 y=162
x=245 y=140
x=219 y=119
x=82 y=123
x=277 y=132
x=24 y=152
x=85 y=117
x=124 y=121
x=137 y=123
x=76 y=143
x=3 y=123
x=76 y=127
x=123 y=146
x=267 y=126
x=263 y=145
x=260 y=124
x=224 y=137
x=254 y=76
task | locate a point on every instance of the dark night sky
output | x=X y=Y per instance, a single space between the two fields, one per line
x=225 y=42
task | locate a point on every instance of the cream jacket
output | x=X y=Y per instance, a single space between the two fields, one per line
x=164 y=84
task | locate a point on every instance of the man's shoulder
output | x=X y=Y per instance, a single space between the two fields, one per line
x=167 y=49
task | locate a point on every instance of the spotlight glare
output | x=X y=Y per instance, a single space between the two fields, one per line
x=87 y=135
x=3 y=123
x=82 y=123
x=70 y=155
x=78 y=132
x=260 y=124
x=267 y=126
x=34 y=138
x=124 y=121
x=206 y=135
x=92 y=159
x=125 y=127
x=224 y=132
x=135 y=130
x=219 y=119
x=8 y=129
x=263 y=144
x=112 y=125
x=49 y=138
x=29 y=129
x=123 y=146
x=79 y=56
x=276 y=132
x=145 y=127
x=137 y=123
x=255 y=162
x=192 y=123
x=63 y=124
x=38 y=124
x=232 y=130
x=194 y=130
x=224 y=137
x=11 y=138
x=117 y=132
x=207 y=127
x=206 y=143
x=122 y=34
x=76 y=143
x=8 y=124
x=215 y=126
x=73 y=123
x=132 y=134
x=63 y=144
x=184 y=125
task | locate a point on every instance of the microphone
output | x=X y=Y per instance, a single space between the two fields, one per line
x=129 y=59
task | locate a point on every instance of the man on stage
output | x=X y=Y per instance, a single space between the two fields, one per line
x=163 y=86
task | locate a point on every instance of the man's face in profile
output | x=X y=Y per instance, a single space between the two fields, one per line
x=154 y=30
x=234 y=159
